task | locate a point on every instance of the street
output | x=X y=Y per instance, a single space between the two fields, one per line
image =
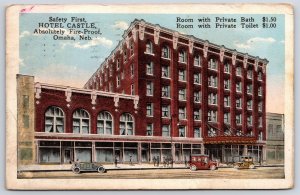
x=221 y=173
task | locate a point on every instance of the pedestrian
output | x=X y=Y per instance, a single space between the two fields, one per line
x=164 y=162
x=130 y=160
x=116 y=161
x=154 y=161
x=157 y=161
x=185 y=161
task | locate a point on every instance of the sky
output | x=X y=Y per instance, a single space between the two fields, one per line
x=68 y=62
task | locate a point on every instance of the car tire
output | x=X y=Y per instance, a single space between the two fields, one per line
x=76 y=170
x=101 y=170
x=213 y=167
x=251 y=167
x=193 y=168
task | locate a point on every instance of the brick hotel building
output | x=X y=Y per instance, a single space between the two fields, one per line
x=159 y=93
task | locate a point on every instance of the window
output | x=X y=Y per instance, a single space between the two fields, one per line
x=260 y=75
x=131 y=48
x=227 y=117
x=106 y=76
x=260 y=106
x=149 y=89
x=239 y=132
x=149 y=129
x=118 y=64
x=122 y=74
x=197 y=96
x=239 y=103
x=149 y=68
x=182 y=113
x=239 y=86
x=227 y=101
x=182 y=94
x=213 y=64
x=182 y=56
x=197 y=60
x=81 y=121
x=126 y=124
x=149 y=47
x=270 y=129
x=238 y=71
x=197 y=78
x=197 y=114
x=166 y=130
x=165 y=52
x=212 y=132
x=260 y=91
x=260 y=136
x=212 y=116
x=118 y=80
x=54 y=120
x=212 y=81
x=149 y=109
x=101 y=81
x=197 y=132
x=182 y=131
x=249 y=120
x=249 y=104
x=165 y=91
x=181 y=75
x=132 y=70
x=132 y=89
x=125 y=55
x=249 y=89
x=249 y=74
x=212 y=98
x=104 y=123
x=165 y=111
x=111 y=87
x=238 y=119
x=110 y=70
x=227 y=68
x=260 y=121
x=165 y=72
x=227 y=84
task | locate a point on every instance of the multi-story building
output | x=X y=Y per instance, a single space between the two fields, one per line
x=275 y=138
x=158 y=94
x=189 y=89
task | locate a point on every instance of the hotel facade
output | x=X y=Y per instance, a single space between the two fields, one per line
x=158 y=94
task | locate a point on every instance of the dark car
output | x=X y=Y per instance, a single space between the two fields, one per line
x=78 y=167
x=202 y=161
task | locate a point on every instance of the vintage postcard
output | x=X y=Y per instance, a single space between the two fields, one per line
x=179 y=96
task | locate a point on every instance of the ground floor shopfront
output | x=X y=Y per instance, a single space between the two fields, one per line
x=64 y=151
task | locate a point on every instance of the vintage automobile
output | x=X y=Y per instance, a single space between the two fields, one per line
x=245 y=162
x=78 y=167
x=202 y=162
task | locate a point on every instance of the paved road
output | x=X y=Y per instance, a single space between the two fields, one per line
x=222 y=173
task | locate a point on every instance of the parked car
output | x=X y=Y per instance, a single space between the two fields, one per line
x=245 y=162
x=202 y=162
x=78 y=167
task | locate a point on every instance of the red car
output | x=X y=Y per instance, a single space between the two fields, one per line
x=202 y=162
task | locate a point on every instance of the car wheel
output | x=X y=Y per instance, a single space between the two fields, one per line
x=213 y=167
x=193 y=168
x=101 y=170
x=76 y=170
x=251 y=167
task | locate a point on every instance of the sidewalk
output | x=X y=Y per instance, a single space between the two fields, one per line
x=144 y=166
x=67 y=167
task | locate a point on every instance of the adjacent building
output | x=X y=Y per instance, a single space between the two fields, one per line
x=158 y=94
x=275 y=138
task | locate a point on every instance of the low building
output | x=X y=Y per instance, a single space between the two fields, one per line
x=275 y=138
